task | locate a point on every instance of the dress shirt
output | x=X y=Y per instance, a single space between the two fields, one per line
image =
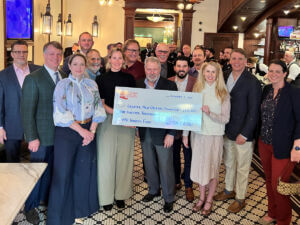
x=181 y=85
x=148 y=86
x=53 y=74
x=21 y=74
x=231 y=82
x=193 y=72
x=294 y=70
x=77 y=100
x=93 y=75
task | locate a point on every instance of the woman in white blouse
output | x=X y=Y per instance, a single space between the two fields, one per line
x=207 y=145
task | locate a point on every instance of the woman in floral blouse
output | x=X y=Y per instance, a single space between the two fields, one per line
x=77 y=111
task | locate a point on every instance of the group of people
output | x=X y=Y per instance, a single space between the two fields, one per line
x=65 y=117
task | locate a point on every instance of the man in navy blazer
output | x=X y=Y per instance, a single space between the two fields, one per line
x=245 y=95
x=11 y=81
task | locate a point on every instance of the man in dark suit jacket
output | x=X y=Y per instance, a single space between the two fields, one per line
x=162 y=53
x=147 y=52
x=245 y=95
x=37 y=118
x=11 y=81
x=157 y=143
x=184 y=83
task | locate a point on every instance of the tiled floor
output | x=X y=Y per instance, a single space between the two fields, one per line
x=138 y=212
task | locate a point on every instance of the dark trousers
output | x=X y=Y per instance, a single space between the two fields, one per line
x=41 y=189
x=159 y=168
x=187 y=153
x=12 y=150
x=279 y=206
x=73 y=191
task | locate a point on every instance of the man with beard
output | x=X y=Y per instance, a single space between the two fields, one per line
x=198 y=59
x=227 y=66
x=94 y=64
x=210 y=54
x=162 y=53
x=184 y=83
x=157 y=143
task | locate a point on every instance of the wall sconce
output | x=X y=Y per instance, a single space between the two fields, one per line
x=47 y=21
x=69 y=26
x=59 y=25
x=95 y=27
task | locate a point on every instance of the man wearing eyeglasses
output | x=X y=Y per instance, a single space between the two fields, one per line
x=11 y=82
x=162 y=53
x=133 y=66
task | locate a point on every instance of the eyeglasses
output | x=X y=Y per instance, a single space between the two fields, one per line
x=20 y=52
x=163 y=52
x=132 y=50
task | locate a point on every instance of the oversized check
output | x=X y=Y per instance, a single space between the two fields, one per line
x=157 y=108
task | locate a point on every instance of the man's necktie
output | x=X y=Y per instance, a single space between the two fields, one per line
x=56 y=77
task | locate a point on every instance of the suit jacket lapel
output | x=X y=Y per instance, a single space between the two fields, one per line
x=48 y=77
x=15 y=81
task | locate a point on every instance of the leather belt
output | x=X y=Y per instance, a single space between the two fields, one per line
x=84 y=121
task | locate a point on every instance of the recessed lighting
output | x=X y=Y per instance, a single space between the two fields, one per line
x=235 y=27
x=256 y=35
x=243 y=18
x=296 y=6
x=262 y=1
x=286 y=12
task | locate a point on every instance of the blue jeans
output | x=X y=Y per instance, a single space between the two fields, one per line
x=187 y=152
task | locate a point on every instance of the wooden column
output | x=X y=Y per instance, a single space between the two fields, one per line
x=129 y=23
x=175 y=34
x=187 y=20
x=267 y=49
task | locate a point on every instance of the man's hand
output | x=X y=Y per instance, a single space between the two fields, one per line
x=34 y=145
x=185 y=141
x=168 y=142
x=295 y=155
x=2 y=135
x=240 y=140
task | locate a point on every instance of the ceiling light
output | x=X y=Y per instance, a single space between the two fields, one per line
x=262 y=1
x=286 y=12
x=296 y=6
x=189 y=6
x=235 y=27
x=180 y=6
x=256 y=35
x=243 y=18
x=155 y=19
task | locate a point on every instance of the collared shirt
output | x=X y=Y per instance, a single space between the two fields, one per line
x=193 y=72
x=21 y=74
x=77 y=100
x=293 y=69
x=181 y=85
x=93 y=75
x=137 y=70
x=231 y=82
x=148 y=86
x=268 y=108
x=52 y=73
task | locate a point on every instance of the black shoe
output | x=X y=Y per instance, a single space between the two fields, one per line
x=32 y=216
x=107 y=207
x=149 y=197
x=168 y=207
x=120 y=204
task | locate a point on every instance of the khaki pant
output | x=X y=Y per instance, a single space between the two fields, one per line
x=115 y=145
x=237 y=160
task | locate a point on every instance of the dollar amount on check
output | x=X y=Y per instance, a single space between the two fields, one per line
x=157 y=109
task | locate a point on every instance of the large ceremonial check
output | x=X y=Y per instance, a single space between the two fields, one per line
x=157 y=108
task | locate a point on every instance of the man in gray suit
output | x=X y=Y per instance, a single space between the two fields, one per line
x=11 y=82
x=37 y=118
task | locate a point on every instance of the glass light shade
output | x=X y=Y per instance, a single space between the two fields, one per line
x=95 y=27
x=188 y=6
x=180 y=6
x=47 y=21
x=155 y=19
x=59 y=25
x=109 y=2
x=69 y=26
x=102 y=2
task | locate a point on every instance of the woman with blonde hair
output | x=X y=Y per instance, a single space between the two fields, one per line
x=115 y=144
x=207 y=145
